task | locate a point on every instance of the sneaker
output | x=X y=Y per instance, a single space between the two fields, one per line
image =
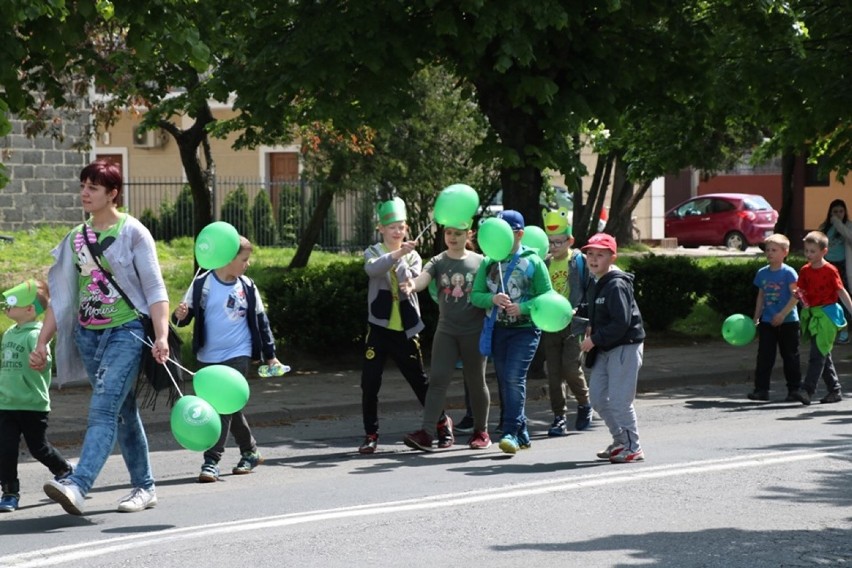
x=209 y=472
x=523 y=438
x=611 y=450
x=247 y=463
x=138 y=500
x=368 y=446
x=479 y=441
x=9 y=502
x=65 y=473
x=465 y=426
x=445 y=433
x=558 y=428
x=791 y=397
x=67 y=494
x=420 y=440
x=842 y=337
x=584 y=416
x=509 y=444
x=627 y=456
x=758 y=395
x=833 y=396
x=802 y=396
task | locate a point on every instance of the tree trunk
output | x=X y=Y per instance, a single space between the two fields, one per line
x=788 y=165
x=586 y=215
x=521 y=190
x=188 y=142
x=520 y=175
x=318 y=215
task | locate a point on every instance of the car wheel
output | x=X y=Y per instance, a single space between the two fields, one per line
x=736 y=240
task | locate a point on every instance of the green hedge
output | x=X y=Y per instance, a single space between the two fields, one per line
x=321 y=311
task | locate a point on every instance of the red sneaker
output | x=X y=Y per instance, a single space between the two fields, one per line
x=479 y=441
x=445 y=433
x=420 y=440
x=627 y=456
x=371 y=441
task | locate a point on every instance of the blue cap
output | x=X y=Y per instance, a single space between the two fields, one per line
x=514 y=218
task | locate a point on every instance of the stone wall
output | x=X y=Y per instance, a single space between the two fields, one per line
x=44 y=177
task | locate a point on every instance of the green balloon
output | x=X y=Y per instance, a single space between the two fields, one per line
x=495 y=238
x=738 y=330
x=195 y=424
x=551 y=311
x=456 y=204
x=536 y=239
x=216 y=245
x=225 y=388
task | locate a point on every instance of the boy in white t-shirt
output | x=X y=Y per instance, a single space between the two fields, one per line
x=231 y=328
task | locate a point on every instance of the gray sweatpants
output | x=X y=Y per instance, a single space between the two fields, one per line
x=446 y=350
x=612 y=388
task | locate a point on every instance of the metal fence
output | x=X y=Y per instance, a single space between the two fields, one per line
x=270 y=213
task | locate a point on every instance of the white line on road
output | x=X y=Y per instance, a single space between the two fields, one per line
x=92 y=549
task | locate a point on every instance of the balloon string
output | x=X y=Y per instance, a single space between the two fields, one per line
x=186 y=296
x=423 y=232
x=150 y=343
x=500 y=272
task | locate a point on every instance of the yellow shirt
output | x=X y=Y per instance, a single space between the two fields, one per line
x=558 y=270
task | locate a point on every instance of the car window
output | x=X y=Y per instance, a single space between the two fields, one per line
x=756 y=203
x=696 y=207
x=722 y=206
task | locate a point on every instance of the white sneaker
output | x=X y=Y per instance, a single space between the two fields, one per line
x=138 y=500
x=66 y=494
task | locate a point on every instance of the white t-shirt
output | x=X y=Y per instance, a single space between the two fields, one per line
x=226 y=331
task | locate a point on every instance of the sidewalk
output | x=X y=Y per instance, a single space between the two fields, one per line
x=304 y=394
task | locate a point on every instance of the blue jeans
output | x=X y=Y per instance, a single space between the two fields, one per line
x=112 y=357
x=513 y=350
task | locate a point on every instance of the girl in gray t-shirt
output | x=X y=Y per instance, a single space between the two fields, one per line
x=456 y=337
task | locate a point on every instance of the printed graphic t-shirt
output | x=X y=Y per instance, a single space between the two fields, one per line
x=454 y=280
x=101 y=305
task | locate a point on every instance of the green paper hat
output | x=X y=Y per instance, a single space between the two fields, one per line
x=23 y=295
x=391 y=211
x=460 y=225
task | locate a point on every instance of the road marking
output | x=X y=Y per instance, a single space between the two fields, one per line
x=92 y=549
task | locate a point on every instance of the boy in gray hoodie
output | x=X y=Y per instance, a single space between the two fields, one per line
x=393 y=319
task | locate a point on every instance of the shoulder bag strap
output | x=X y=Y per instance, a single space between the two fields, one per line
x=105 y=272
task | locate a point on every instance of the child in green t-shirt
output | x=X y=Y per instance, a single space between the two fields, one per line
x=24 y=398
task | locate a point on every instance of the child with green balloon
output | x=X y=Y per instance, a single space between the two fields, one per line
x=456 y=337
x=231 y=329
x=569 y=277
x=393 y=319
x=778 y=321
x=506 y=285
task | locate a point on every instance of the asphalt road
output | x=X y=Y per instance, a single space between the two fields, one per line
x=727 y=482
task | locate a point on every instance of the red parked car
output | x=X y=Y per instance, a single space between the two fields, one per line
x=735 y=220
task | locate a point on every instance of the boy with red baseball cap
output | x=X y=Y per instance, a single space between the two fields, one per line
x=613 y=348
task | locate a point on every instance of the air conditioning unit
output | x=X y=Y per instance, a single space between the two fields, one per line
x=154 y=138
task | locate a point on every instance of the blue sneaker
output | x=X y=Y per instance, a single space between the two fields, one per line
x=509 y=444
x=584 y=416
x=247 y=463
x=209 y=472
x=559 y=427
x=9 y=502
x=524 y=438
